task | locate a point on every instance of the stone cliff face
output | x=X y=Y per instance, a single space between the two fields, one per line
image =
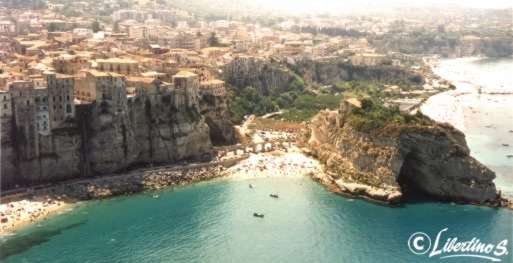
x=217 y=116
x=333 y=70
x=431 y=159
x=273 y=78
x=269 y=78
x=57 y=156
x=157 y=129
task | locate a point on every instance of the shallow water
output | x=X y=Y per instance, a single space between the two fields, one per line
x=213 y=222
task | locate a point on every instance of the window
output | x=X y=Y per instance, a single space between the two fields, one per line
x=28 y=102
x=5 y=106
x=68 y=108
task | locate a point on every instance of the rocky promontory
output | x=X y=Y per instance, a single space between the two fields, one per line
x=388 y=156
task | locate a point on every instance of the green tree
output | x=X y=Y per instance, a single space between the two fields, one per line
x=213 y=41
x=95 y=26
x=52 y=27
x=249 y=101
x=297 y=84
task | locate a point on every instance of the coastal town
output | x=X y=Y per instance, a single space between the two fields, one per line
x=107 y=98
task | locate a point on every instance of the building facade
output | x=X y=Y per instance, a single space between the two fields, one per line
x=60 y=98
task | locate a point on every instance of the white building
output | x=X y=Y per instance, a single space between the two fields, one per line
x=7 y=27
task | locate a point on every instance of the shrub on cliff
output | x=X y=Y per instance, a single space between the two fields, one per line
x=249 y=101
x=373 y=115
x=305 y=106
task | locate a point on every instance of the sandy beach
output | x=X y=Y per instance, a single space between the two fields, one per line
x=276 y=164
x=46 y=202
x=16 y=214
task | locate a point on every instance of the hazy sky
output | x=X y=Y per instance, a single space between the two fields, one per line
x=340 y=5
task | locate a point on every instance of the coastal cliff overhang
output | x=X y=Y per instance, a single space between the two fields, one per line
x=429 y=158
x=437 y=164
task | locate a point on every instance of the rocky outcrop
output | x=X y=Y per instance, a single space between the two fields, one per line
x=152 y=129
x=268 y=78
x=331 y=71
x=133 y=182
x=430 y=159
x=217 y=116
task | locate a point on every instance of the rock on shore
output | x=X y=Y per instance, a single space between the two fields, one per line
x=430 y=159
x=41 y=203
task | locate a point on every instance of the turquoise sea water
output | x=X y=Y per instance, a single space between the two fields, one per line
x=213 y=222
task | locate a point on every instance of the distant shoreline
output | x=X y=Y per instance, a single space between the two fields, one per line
x=445 y=106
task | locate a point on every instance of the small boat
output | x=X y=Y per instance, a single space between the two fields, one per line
x=251 y=186
x=258 y=215
x=505 y=144
x=509 y=156
x=274 y=195
x=156 y=196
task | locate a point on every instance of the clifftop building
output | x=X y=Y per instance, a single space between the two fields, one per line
x=70 y=64
x=368 y=59
x=118 y=65
x=107 y=89
x=187 y=84
x=212 y=87
x=7 y=28
x=60 y=98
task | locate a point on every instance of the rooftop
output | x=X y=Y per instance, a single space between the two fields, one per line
x=116 y=60
x=140 y=79
x=97 y=73
x=212 y=82
x=184 y=74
